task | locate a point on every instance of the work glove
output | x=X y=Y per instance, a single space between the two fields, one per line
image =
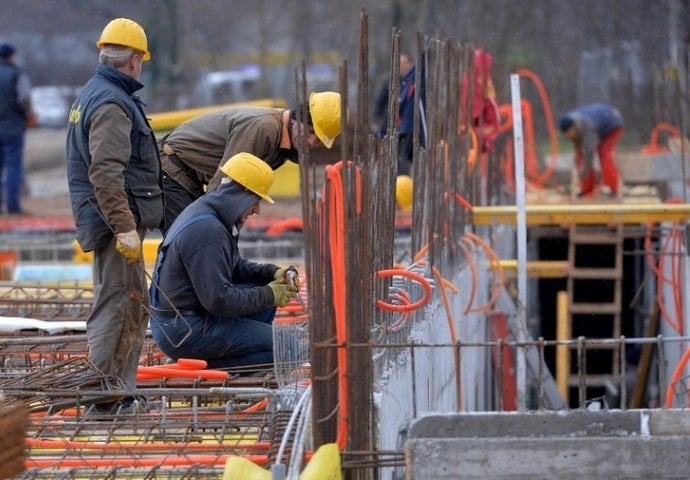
x=129 y=245
x=288 y=275
x=282 y=293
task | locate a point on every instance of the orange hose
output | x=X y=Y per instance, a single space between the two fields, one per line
x=452 y=332
x=337 y=255
x=496 y=265
x=672 y=242
x=676 y=377
x=282 y=226
x=162 y=461
x=473 y=271
x=653 y=145
x=123 y=447
x=162 y=371
x=446 y=304
x=412 y=276
x=420 y=254
x=550 y=125
x=462 y=201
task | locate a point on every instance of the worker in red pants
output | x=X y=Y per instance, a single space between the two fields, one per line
x=596 y=126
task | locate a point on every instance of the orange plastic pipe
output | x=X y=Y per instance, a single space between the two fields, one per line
x=163 y=461
x=181 y=373
x=412 y=276
x=142 y=446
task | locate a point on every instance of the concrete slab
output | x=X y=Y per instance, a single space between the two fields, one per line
x=611 y=444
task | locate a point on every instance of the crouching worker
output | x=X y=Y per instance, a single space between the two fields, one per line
x=207 y=302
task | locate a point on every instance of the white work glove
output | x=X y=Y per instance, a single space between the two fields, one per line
x=129 y=245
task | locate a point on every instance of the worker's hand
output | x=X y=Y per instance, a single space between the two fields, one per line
x=282 y=293
x=129 y=245
x=288 y=275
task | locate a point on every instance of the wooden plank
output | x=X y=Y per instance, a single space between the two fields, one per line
x=582 y=308
x=591 y=273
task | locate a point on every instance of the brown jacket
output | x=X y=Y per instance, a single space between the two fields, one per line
x=204 y=142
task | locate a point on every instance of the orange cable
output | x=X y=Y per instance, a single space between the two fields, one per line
x=157 y=461
x=496 y=266
x=412 y=276
x=550 y=125
x=337 y=257
x=675 y=378
x=473 y=271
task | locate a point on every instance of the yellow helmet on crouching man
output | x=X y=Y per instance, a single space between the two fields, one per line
x=126 y=33
x=251 y=172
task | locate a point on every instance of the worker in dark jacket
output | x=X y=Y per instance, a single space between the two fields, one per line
x=405 y=117
x=115 y=186
x=190 y=154
x=15 y=114
x=208 y=302
x=594 y=127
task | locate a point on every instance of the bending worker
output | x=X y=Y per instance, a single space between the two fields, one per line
x=207 y=302
x=190 y=153
x=596 y=126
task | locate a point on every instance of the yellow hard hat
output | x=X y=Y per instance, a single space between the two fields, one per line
x=251 y=172
x=403 y=192
x=126 y=33
x=324 y=108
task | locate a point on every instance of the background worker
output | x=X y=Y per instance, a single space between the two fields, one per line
x=483 y=104
x=207 y=301
x=15 y=114
x=115 y=189
x=191 y=152
x=405 y=119
x=596 y=126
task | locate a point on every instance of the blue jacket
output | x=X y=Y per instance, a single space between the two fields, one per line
x=142 y=176
x=199 y=261
x=593 y=123
x=598 y=117
x=406 y=117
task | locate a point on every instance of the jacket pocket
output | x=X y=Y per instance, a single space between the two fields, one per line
x=147 y=144
x=149 y=205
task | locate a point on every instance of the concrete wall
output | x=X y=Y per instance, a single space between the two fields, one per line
x=614 y=444
x=413 y=384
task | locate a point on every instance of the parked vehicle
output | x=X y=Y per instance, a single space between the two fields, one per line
x=51 y=105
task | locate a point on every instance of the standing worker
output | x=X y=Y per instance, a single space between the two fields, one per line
x=405 y=118
x=115 y=188
x=596 y=126
x=191 y=152
x=15 y=114
x=207 y=301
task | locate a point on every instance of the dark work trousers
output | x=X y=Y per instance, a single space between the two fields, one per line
x=223 y=341
x=176 y=199
x=11 y=153
x=117 y=324
x=405 y=153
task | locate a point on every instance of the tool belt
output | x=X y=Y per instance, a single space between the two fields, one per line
x=181 y=173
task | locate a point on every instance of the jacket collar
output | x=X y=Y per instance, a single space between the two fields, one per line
x=127 y=83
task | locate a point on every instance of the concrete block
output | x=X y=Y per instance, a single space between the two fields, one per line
x=596 y=458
